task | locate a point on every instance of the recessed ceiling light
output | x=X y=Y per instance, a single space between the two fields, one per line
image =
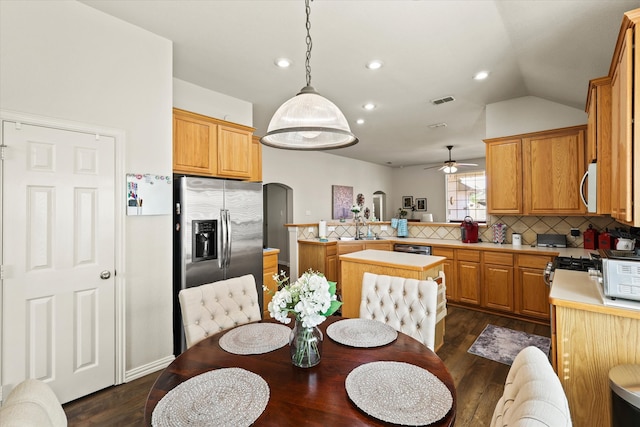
x=282 y=62
x=374 y=65
x=360 y=121
x=369 y=106
x=481 y=75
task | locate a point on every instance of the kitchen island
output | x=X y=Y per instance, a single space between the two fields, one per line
x=588 y=338
x=412 y=266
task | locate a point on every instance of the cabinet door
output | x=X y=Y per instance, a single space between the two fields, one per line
x=448 y=266
x=592 y=126
x=497 y=282
x=194 y=145
x=332 y=268
x=532 y=293
x=553 y=165
x=234 y=152
x=269 y=268
x=504 y=177
x=469 y=282
x=256 y=160
x=622 y=143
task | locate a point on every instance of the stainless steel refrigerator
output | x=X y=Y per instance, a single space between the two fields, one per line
x=217 y=235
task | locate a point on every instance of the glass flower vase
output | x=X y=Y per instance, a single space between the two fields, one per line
x=305 y=345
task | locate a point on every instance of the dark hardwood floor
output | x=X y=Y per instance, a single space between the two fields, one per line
x=479 y=382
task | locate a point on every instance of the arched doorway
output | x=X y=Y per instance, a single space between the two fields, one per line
x=278 y=211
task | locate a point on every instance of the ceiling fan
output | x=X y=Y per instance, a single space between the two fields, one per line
x=451 y=166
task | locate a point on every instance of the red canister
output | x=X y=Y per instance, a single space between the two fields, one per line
x=590 y=237
x=606 y=240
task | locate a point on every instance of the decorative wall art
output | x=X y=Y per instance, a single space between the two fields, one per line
x=149 y=194
x=341 y=201
x=407 y=202
x=421 y=204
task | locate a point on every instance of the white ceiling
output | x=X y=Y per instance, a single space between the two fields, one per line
x=430 y=49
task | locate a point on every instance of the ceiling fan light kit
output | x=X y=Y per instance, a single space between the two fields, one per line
x=308 y=121
x=451 y=166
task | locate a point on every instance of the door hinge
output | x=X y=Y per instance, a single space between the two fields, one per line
x=1 y=272
x=2 y=151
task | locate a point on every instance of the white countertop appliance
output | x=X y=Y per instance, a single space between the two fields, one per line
x=621 y=274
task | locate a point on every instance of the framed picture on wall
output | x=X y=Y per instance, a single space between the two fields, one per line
x=407 y=202
x=421 y=204
x=342 y=199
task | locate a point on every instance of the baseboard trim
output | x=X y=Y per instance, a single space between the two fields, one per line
x=147 y=369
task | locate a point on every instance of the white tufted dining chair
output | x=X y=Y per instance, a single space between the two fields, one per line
x=213 y=307
x=533 y=395
x=408 y=305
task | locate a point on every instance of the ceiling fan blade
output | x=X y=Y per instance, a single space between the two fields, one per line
x=466 y=164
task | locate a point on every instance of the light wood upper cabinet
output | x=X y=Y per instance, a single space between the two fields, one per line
x=256 y=160
x=537 y=173
x=504 y=176
x=599 y=138
x=622 y=132
x=195 y=144
x=209 y=147
x=553 y=166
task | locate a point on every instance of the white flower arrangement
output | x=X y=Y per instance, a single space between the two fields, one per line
x=312 y=298
x=355 y=209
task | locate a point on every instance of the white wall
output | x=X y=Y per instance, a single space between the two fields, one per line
x=65 y=60
x=197 y=99
x=530 y=114
x=418 y=182
x=312 y=173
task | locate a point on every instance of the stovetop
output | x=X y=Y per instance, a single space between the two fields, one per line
x=577 y=264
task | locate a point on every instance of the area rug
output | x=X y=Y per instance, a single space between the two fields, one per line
x=503 y=344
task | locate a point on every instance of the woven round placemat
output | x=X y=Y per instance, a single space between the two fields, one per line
x=224 y=397
x=399 y=393
x=255 y=338
x=361 y=333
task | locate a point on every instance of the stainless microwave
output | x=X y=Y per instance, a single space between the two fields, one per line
x=590 y=179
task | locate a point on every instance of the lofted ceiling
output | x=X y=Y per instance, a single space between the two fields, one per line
x=430 y=49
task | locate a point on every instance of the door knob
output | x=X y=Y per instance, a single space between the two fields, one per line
x=105 y=274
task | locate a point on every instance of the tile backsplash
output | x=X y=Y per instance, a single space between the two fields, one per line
x=528 y=226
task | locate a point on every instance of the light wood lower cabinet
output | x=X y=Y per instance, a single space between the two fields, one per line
x=531 y=292
x=497 y=281
x=320 y=257
x=269 y=268
x=587 y=345
x=469 y=274
x=449 y=268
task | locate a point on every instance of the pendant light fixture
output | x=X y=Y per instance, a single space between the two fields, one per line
x=308 y=121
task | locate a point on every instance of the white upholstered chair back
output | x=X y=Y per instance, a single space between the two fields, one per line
x=533 y=395
x=408 y=305
x=213 y=307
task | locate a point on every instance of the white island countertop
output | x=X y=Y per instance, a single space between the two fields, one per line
x=394 y=259
x=575 y=289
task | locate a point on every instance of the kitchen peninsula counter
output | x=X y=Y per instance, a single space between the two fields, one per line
x=353 y=266
x=400 y=264
x=588 y=339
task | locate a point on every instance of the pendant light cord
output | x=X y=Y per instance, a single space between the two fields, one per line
x=309 y=44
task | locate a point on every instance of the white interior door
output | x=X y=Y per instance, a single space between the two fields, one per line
x=58 y=314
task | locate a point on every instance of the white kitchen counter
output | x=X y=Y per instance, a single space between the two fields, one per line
x=535 y=250
x=575 y=289
x=394 y=259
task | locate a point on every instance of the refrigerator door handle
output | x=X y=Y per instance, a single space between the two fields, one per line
x=223 y=239
x=228 y=254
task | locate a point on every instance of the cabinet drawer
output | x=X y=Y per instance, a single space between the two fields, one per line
x=347 y=248
x=533 y=261
x=332 y=250
x=468 y=255
x=445 y=252
x=498 y=258
x=269 y=263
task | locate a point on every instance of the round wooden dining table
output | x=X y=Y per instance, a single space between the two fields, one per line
x=303 y=396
